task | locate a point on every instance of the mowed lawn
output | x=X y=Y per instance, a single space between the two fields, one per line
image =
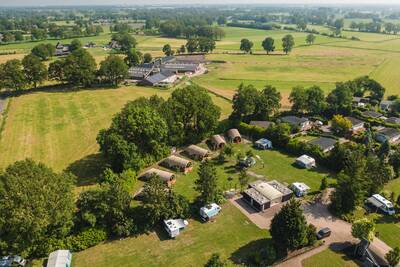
x=329 y=258
x=60 y=128
x=277 y=166
x=232 y=235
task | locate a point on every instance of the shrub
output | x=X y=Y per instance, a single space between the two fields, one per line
x=85 y=239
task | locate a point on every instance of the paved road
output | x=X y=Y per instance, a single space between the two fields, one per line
x=341 y=237
x=319 y=215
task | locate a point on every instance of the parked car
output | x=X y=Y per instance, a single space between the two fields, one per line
x=8 y=261
x=323 y=233
x=19 y=261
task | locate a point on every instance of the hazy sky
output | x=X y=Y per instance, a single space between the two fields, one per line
x=141 y=2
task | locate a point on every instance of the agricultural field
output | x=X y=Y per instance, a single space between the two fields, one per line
x=59 y=128
x=329 y=258
x=232 y=235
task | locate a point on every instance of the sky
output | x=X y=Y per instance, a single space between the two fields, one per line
x=166 y=2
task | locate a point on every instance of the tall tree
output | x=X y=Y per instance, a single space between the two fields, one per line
x=34 y=69
x=136 y=138
x=269 y=102
x=288 y=43
x=315 y=100
x=43 y=51
x=147 y=58
x=134 y=57
x=207 y=184
x=80 y=68
x=268 y=44
x=56 y=70
x=192 y=45
x=114 y=69
x=298 y=99
x=75 y=45
x=340 y=99
x=167 y=50
x=340 y=125
x=35 y=204
x=289 y=227
x=162 y=203
x=244 y=101
x=191 y=115
x=246 y=45
x=12 y=75
x=310 y=39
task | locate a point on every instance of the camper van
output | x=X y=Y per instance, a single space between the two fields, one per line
x=381 y=203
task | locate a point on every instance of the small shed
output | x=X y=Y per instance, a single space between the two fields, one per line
x=167 y=177
x=324 y=143
x=209 y=211
x=59 y=258
x=234 y=136
x=177 y=163
x=300 y=189
x=217 y=142
x=263 y=143
x=196 y=152
x=306 y=162
x=174 y=227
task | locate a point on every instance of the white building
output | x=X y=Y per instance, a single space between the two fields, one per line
x=263 y=143
x=381 y=203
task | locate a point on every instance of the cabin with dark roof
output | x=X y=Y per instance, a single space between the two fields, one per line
x=300 y=122
x=393 y=120
x=324 y=143
x=356 y=125
x=390 y=135
x=372 y=114
x=62 y=50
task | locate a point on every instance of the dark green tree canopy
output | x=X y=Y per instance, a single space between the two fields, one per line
x=113 y=69
x=12 y=75
x=191 y=115
x=137 y=137
x=35 y=204
x=207 y=184
x=288 y=43
x=246 y=45
x=34 y=69
x=80 y=68
x=268 y=44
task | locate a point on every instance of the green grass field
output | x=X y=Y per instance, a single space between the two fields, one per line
x=329 y=258
x=60 y=128
x=232 y=235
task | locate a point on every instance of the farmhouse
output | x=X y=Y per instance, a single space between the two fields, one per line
x=167 y=177
x=300 y=189
x=324 y=143
x=372 y=114
x=234 y=136
x=196 y=152
x=391 y=135
x=114 y=45
x=163 y=78
x=386 y=105
x=261 y=124
x=59 y=258
x=174 y=227
x=262 y=195
x=306 y=162
x=300 y=122
x=360 y=101
x=62 y=50
x=393 y=120
x=182 y=67
x=356 y=125
x=177 y=163
x=141 y=72
x=217 y=142
x=263 y=143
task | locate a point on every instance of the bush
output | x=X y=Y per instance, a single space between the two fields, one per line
x=253 y=132
x=311 y=235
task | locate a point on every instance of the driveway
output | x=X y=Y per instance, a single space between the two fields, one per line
x=318 y=215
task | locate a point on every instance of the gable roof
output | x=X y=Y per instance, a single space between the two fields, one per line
x=294 y=120
x=217 y=139
x=389 y=132
x=261 y=124
x=233 y=133
x=354 y=121
x=372 y=114
x=393 y=120
x=196 y=150
x=177 y=161
x=163 y=175
x=159 y=77
x=323 y=142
